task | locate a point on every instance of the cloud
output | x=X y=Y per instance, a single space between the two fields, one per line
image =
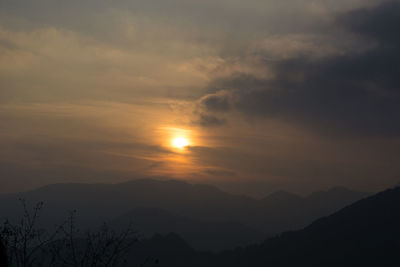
x=58 y=64
x=219 y=101
x=379 y=23
x=207 y=120
x=49 y=143
x=356 y=92
x=26 y=164
x=219 y=172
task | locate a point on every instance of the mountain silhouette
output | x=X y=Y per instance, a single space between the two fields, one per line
x=287 y=211
x=366 y=233
x=97 y=203
x=168 y=250
x=200 y=234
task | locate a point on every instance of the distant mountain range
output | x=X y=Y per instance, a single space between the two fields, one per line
x=366 y=234
x=208 y=218
x=202 y=235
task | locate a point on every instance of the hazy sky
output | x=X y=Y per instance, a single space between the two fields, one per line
x=298 y=94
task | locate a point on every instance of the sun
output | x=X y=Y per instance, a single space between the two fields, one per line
x=180 y=142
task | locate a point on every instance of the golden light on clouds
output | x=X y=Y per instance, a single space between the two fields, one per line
x=177 y=138
x=175 y=160
x=180 y=142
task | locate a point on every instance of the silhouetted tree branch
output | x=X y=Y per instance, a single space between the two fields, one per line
x=27 y=245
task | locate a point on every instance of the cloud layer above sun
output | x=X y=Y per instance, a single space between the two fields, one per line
x=299 y=95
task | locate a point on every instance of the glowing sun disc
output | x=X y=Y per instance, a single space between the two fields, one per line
x=180 y=142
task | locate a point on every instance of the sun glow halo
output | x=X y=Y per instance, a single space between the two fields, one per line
x=180 y=142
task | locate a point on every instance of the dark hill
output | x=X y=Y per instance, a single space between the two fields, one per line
x=165 y=251
x=200 y=234
x=97 y=203
x=366 y=233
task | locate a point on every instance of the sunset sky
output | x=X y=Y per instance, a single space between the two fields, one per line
x=300 y=95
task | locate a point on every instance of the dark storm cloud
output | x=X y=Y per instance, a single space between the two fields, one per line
x=216 y=102
x=356 y=92
x=380 y=23
x=208 y=120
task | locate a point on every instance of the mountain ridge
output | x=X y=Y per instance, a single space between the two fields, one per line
x=96 y=203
